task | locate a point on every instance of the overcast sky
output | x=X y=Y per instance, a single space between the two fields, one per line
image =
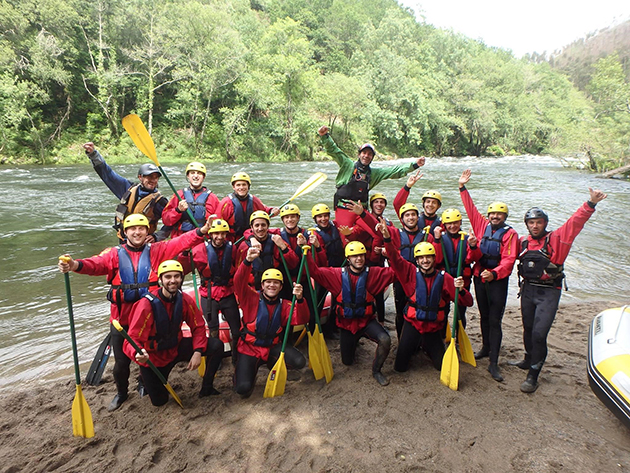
x=522 y=26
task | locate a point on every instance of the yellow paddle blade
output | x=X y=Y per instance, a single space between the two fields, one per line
x=324 y=356
x=202 y=367
x=277 y=379
x=82 y=425
x=448 y=332
x=175 y=396
x=314 y=360
x=449 y=375
x=310 y=184
x=140 y=136
x=465 y=348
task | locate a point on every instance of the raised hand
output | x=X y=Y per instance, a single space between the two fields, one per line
x=596 y=195
x=323 y=130
x=465 y=177
x=413 y=178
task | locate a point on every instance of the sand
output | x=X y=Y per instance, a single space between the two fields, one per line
x=351 y=424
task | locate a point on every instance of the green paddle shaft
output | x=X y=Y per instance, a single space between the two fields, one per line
x=459 y=273
x=288 y=329
x=72 y=334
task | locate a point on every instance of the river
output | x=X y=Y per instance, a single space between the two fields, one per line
x=49 y=211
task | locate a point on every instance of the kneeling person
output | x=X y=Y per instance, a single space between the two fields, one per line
x=265 y=317
x=429 y=294
x=355 y=289
x=155 y=326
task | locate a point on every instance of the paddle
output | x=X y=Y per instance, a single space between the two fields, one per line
x=319 y=351
x=465 y=348
x=307 y=186
x=82 y=424
x=97 y=368
x=449 y=375
x=277 y=379
x=126 y=336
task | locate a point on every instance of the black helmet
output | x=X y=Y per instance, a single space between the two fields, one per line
x=536 y=212
x=148 y=169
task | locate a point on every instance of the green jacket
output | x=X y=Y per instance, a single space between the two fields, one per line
x=346 y=166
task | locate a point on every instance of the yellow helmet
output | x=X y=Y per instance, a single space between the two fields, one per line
x=498 y=207
x=451 y=215
x=289 y=209
x=241 y=176
x=423 y=249
x=196 y=166
x=272 y=273
x=432 y=195
x=320 y=209
x=170 y=265
x=355 y=248
x=259 y=214
x=135 y=220
x=377 y=195
x=406 y=208
x=219 y=225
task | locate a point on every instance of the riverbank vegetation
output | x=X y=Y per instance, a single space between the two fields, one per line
x=253 y=80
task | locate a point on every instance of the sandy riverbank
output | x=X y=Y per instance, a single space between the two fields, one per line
x=351 y=424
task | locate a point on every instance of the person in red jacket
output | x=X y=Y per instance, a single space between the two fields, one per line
x=131 y=269
x=155 y=325
x=429 y=294
x=271 y=246
x=541 y=269
x=236 y=208
x=448 y=241
x=354 y=287
x=431 y=203
x=265 y=317
x=499 y=248
x=215 y=260
x=199 y=199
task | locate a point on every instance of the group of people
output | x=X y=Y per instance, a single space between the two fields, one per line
x=245 y=264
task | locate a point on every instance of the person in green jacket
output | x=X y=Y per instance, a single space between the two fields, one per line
x=355 y=179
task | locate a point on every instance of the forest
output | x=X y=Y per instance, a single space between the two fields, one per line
x=227 y=80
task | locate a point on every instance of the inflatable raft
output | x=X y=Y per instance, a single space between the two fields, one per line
x=609 y=360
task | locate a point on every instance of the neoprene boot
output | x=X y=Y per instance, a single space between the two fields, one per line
x=524 y=364
x=495 y=372
x=531 y=382
x=380 y=378
x=119 y=398
x=483 y=353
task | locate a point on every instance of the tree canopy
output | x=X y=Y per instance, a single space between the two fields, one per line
x=253 y=80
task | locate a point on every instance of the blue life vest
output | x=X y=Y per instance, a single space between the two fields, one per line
x=197 y=206
x=406 y=250
x=490 y=246
x=130 y=283
x=333 y=245
x=452 y=256
x=264 y=261
x=297 y=250
x=264 y=332
x=358 y=303
x=219 y=270
x=426 y=306
x=422 y=223
x=241 y=219
x=167 y=329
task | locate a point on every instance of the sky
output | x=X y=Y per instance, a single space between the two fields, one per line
x=522 y=26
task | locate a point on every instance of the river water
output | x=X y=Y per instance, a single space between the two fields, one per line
x=48 y=211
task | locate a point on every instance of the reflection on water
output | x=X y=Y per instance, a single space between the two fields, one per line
x=50 y=211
